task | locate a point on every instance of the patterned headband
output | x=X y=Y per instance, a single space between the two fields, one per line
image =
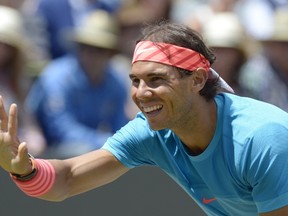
x=170 y=55
x=177 y=56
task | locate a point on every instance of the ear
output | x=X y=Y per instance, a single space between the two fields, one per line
x=199 y=78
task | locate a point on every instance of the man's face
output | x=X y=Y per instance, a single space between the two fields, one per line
x=93 y=60
x=161 y=94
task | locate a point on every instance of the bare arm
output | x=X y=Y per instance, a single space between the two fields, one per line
x=282 y=211
x=73 y=176
x=79 y=174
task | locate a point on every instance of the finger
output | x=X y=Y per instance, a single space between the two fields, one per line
x=20 y=163
x=23 y=158
x=13 y=121
x=23 y=151
x=3 y=116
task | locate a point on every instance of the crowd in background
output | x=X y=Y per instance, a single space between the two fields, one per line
x=66 y=62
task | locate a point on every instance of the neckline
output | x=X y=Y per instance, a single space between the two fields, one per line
x=215 y=140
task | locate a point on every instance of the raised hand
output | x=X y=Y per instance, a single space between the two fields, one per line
x=13 y=154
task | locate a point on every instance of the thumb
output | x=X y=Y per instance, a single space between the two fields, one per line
x=23 y=157
x=23 y=152
x=21 y=163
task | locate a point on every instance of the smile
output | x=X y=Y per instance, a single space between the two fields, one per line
x=152 y=108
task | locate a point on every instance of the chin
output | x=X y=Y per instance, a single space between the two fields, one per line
x=156 y=127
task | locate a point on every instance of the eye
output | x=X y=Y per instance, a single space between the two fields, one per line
x=135 y=81
x=156 y=81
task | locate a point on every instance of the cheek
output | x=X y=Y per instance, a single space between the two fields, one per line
x=133 y=94
x=183 y=100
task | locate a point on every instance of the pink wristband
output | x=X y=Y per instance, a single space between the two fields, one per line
x=42 y=182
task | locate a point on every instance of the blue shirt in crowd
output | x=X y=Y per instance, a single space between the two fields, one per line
x=71 y=110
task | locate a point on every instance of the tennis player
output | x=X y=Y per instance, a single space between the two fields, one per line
x=229 y=153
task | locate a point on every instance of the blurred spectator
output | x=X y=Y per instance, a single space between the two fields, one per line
x=79 y=100
x=257 y=16
x=33 y=29
x=15 y=4
x=13 y=80
x=61 y=16
x=266 y=74
x=201 y=12
x=181 y=9
x=225 y=34
x=133 y=14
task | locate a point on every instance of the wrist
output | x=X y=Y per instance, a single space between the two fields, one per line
x=32 y=171
x=41 y=182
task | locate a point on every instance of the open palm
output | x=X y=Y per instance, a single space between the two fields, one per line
x=13 y=154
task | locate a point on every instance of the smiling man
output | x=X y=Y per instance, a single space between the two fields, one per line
x=229 y=153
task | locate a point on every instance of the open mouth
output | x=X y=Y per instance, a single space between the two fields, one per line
x=152 y=109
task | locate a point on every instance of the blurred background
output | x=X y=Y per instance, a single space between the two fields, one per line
x=66 y=64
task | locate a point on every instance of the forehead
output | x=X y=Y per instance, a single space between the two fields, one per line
x=143 y=68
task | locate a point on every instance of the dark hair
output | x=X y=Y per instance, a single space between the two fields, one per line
x=181 y=35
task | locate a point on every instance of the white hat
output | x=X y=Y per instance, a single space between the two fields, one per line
x=224 y=30
x=100 y=29
x=280 y=28
x=11 y=27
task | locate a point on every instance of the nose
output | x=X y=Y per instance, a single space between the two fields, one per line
x=143 y=90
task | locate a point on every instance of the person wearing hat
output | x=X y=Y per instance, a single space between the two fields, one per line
x=78 y=99
x=226 y=35
x=14 y=78
x=60 y=16
x=265 y=75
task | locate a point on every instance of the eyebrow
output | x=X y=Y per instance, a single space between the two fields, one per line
x=162 y=74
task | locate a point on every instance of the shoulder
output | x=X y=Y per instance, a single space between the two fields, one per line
x=136 y=130
x=272 y=136
x=136 y=144
x=255 y=109
x=253 y=125
x=132 y=143
x=60 y=67
x=59 y=74
x=117 y=76
x=137 y=134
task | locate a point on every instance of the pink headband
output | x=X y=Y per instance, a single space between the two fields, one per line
x=170 y=55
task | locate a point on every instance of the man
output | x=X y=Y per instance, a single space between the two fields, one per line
x=229 y=43
x=227 y=152
x=265 y=75
x=63 y=97
x=59 y=17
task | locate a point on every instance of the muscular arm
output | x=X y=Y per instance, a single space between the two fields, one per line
x=79 y=174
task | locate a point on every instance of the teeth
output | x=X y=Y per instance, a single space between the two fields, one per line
x=152 y=108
